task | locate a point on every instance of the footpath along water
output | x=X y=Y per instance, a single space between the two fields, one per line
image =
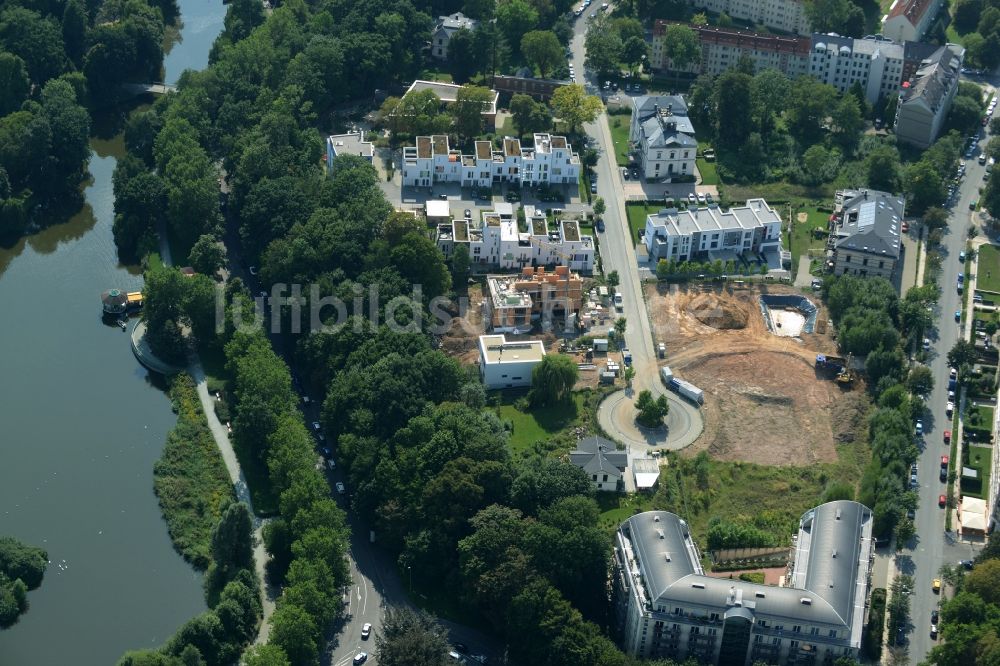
x=82 y=426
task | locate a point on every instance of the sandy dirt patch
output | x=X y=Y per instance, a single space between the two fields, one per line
x=764 y=401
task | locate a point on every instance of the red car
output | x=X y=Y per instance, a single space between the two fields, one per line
x=944 y=461
x=942 y=501
x=947 y=436
x=905 y=226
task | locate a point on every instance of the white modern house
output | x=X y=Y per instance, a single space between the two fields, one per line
x=497 y=240
x=663 y=137
x=550 y=160
x=508 y=364
x=666 y=607
x=924 y=101
x=352 y=143
x=445 y=28
x=709 y=233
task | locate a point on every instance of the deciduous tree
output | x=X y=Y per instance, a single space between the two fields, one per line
x=553 y=379
x=542 y=49
x=574 y=107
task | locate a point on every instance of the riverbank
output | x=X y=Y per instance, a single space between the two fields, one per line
x=190 y=477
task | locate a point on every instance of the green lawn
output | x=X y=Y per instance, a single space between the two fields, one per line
x=619 y=124
x=779 y=192
x=988 y=275
x=637 y=213
x=802 y=233
x=985 y=415
x=584 y=186
x=747 y=491
x=435 y=75
x=709 y=174
x=616 y=507
x=538 y=425
x=980 y=458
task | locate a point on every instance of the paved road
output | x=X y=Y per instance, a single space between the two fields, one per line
x=221 y=436
x=923 y=557
x=617 y=413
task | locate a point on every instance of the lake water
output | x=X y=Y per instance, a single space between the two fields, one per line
x=82 y=425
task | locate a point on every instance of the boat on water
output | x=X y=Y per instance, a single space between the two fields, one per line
x=117 y=303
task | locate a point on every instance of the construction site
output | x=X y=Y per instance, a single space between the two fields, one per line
x=774 y=391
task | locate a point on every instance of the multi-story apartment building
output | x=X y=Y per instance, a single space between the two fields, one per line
x=667 y=607
x=445 y=28
x=516 y=301
x=722 y=48
x=924 y=100
x=874 y=62
x=709 y=233
x=497 y=240
x=909 y=20
x=785 y=15
x=550 y=160
x=662 y=137
x=865 y=232
x=877 y=63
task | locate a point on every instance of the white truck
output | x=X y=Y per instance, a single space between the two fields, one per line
x=666 y=374
x=686 y=389
x=618 y=302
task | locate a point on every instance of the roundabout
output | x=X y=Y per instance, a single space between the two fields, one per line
x=617 y=413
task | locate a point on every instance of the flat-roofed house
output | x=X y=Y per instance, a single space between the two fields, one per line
x=508 y=364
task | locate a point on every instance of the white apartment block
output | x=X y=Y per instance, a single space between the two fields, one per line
x=498 y=240
x=875 y=63
x=709 y=233
x=508 y=364
x=785 y=15
x=667 y=607
x=550 y=160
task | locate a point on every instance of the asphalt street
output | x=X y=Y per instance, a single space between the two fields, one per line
x=932 y=547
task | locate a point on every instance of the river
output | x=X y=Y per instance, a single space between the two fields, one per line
x=83 y=423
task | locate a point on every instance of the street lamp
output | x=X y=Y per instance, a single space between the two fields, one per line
x=409 y=570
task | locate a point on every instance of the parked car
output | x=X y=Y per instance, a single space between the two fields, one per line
x=958 y=315
x=920 y=427
x=927 y=344
x=961 y=256
x=360 y=658
x=600 y=226
x=625 y=173
x=701 y=198
x=635 y=173
x=949 y=408
x=965 y=564
x=692 y=199
x=936 y=585
x=905 y=226
x=942 y=501
x=593 y=187
x=340 y=488
x=934 y=616
x=933 y=630
x=468 y=213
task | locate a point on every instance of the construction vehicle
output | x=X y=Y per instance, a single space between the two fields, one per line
x=846 y=376
x=835 y=364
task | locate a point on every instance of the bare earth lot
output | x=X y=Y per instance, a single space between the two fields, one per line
x=764 y=401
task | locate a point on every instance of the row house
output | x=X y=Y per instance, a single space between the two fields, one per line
x=550 y=160
x=498 y=240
